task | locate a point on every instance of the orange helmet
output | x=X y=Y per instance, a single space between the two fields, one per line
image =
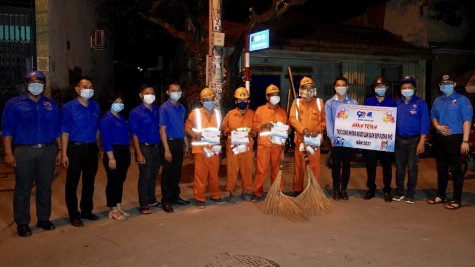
x=241 y=93
x=207 y=93
x=306 y=81
x=272 y=89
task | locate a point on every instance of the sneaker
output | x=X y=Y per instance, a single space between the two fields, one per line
x=398 y=198
x=154 y=204
x=231 y=198
x=410 y=200
x=218 y=201
x=200 y=204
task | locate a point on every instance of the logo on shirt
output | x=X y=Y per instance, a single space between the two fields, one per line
x=47 y=105
x=413 y=110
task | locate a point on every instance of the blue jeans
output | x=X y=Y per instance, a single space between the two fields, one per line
x=148 y=173
x=406 y=157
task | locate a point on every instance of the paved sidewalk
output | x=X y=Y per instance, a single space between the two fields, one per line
x=356 y=233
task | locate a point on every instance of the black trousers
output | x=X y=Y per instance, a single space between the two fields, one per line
x=33 y=165
x=171 y=172
x=384 y=157
x=83 y=158
x=406 y=160
x=148 y=173
x=116 y=177
x=448 y=154
x=341 y=167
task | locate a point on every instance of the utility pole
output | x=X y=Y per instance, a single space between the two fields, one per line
x=214 y=77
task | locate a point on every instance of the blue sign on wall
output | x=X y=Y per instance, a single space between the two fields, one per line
x=259 y=40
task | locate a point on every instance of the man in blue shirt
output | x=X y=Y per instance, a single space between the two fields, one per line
x=79 y=131
x=451 y=115
x=172 y=134
x=31 y=131
x=382 y=100
x=340 y=155
x=412 y=126
x=144 y=128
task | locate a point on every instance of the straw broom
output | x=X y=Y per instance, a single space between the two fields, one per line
x=313 y=200
x=277 y=203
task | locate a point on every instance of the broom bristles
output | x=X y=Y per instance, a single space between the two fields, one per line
x=313 y=200
x=277 y=203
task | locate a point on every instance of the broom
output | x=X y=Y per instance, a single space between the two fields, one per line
x=313 y=200
x=276 y=202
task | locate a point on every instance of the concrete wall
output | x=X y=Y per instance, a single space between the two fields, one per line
x=63 y=33
x=412 y=20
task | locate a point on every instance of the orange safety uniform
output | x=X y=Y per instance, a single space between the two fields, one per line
x=310 y=115
x=206 y=169
x=242 y=162
x=267 y=153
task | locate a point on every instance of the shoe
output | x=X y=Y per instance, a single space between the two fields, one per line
x=387 y=197
x=76 y=222
x=121 y=210
x=154 y=204
x=246 y=196
x=200 y=204
x=181 y=202
x=344 y=195
x=46 y=225
x=231 y=198
x=336 y=195
x=23 y=230
x=115 y=214
x=369 y=195
x=255 y=198
x=410 y=200
x=167 y=208
x=398 y=198
x=218 y=201
x=89 y=216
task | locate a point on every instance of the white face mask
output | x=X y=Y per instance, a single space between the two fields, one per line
x=175 y=96
x=87 y=93
x=36 y=88
x=341 y=90
x=274 y=100
x=148 y=99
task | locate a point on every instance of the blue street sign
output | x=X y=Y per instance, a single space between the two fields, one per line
x=259 y=40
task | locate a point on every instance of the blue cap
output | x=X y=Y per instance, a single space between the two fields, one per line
x=35 y=75
x=408 y=79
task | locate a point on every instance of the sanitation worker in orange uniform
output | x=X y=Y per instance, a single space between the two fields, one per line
x=206 y=154
x=239 y=154
x=268 y=153
x=307 y=117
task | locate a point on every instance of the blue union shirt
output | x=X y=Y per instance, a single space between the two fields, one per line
x=173 y=118
x=330 y=112
x=80 y=122
x=452 y=111
x=373 y=101
x=29 y=122
x=144 y=124
x=114 y=131
x=413 y=118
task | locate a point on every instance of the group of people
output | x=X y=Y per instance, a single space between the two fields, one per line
x=36 y=136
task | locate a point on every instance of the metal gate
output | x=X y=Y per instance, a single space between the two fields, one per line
x=17 y=49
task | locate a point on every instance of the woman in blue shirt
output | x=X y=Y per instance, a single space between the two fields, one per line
x=116 y=146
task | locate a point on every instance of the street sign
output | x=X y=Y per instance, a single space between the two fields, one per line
x=259 y=40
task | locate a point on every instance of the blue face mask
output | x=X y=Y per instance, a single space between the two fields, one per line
x=447 y=89
x=117 y=107
x=407 y=92
x=380 y=91
x=208 y=105
x=242 y=105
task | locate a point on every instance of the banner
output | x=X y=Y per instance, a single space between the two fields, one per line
x=366 y=127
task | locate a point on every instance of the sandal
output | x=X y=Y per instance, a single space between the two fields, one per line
x=453 y=205
x=145 y=210
x=436 y=200
x=116 y=215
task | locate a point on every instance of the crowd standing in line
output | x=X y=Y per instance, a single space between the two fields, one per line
x=159 y=136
